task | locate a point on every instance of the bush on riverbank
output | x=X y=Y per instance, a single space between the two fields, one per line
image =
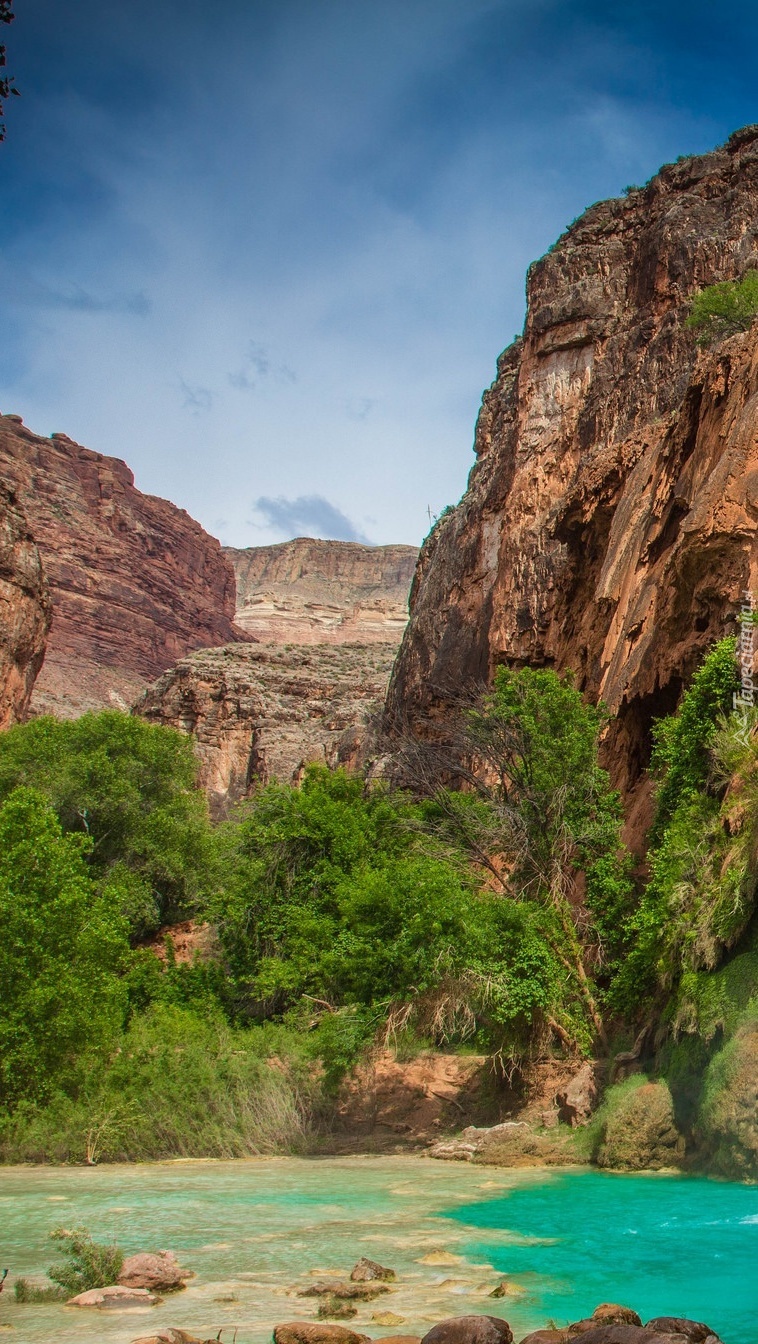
x=177 y=1087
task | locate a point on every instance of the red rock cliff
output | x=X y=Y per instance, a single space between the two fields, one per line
x=135 y=582
x=24 y=610
x=610 y=520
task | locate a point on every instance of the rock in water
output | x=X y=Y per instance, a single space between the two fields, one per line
x=335 y=1309
x=546 y=1337
x=608 y=1313
x=366 y=1270
x=610 y=519
x=470 y=1330
x=24 y=610
x=316 y=1332
x=169 y=1336
x=114 y=1296
x=627 y=1334
x=694 y=1331
x=360 y=1292
x=157 y=1271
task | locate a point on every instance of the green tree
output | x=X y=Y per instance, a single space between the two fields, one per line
x=539 y=813
x=131 y=788
x=724 y=309
x=327 y=893
x=62 y=950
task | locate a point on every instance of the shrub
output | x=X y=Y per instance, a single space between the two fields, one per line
x=724 y=309
x=88 y=1264
x=24 y=1290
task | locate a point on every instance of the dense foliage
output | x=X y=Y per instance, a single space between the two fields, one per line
x=130 y=788
x=499 y=914
x=62 y=951
x=725 y=308
x=696 y=902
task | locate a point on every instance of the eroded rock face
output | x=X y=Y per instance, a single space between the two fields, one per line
x=641 y=1133
x=258 y=712
x=24 y=610
x=323 y=592
x=135 y=582
x=609 y=524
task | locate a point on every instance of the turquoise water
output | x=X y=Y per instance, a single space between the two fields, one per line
x=666 y=1245
x=255 y=1232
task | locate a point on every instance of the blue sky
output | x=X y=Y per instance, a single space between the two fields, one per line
x=267 y=251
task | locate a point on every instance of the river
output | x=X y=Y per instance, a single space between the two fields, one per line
x=256 y=1231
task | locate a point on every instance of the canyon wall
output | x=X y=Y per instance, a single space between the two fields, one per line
x=323 y=592
x=24 y=610
x=609 y=523
x=258 y=712
x=135 y=583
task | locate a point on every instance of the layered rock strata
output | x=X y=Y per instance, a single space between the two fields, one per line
x=323 y=592
x=259 y=713
x=135 y=582
x=609 y=525
x=24 y=610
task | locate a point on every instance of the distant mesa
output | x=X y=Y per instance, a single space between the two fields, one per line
x=308 y=591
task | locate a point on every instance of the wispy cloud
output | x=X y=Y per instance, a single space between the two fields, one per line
x=257 y=365
x=198 y=400
x=308 y=515
x=75 y=298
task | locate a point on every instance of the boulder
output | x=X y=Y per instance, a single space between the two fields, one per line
x=576 y=1101
x=627 y=1334
x=401 y=1339
x=367 y=1270
x=641 y=1132
x=347 y=1292
x=470 y=1330
x=694 y=1331
x=545 y=1337
x=608 y=1313
x=501 y=1290
x=158 y=1271
x=114 y=1296
x=333 y=1308
x=316 y=1332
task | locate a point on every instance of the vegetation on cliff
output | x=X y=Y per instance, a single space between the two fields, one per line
x=725 y=308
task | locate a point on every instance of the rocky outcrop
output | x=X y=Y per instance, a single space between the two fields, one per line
x=24 y=610
x=609 y=524
x=323 y=592
x=727 y=1127
x=259 y=713
x=386 y=1103
x=640 y=1132
x=135 y=582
